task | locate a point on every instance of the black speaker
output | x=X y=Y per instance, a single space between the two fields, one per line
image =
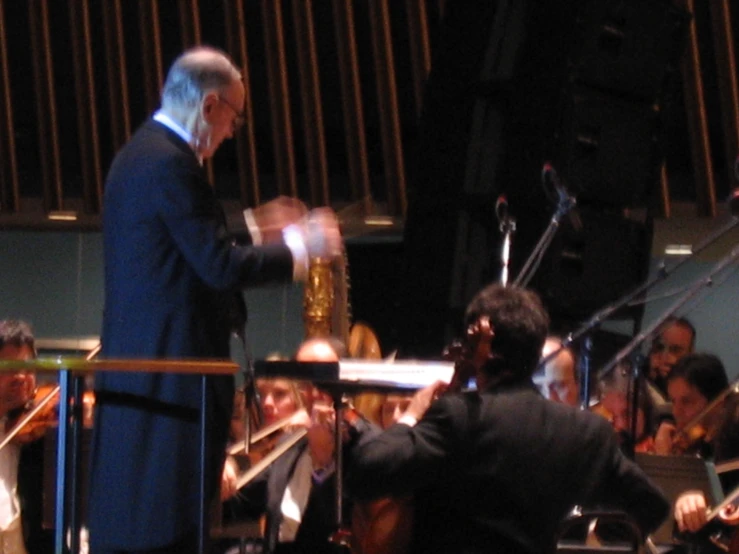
x=589 y=268
x=515 y=84
x=609 y=149
x=628 y=47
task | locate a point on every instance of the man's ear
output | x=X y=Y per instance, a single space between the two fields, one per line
x=207 y=105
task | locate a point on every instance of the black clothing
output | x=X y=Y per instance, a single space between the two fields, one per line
x=498 y=471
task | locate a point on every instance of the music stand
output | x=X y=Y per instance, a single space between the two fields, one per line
x=674 y=475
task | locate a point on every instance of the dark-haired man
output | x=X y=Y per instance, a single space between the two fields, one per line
x=498 y=470
x=675 y=340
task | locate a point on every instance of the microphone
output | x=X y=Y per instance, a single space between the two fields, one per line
x=551 y=183
x=506 y=223
x=501 y=208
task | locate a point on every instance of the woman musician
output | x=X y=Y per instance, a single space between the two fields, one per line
x=692 y=508
x=296 y=492
x=706 y=424
x=692 y=384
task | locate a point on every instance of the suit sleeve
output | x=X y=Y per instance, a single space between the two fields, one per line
x=633 y=491
x=189 y=210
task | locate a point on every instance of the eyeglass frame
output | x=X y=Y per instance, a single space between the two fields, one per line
x=240 y=118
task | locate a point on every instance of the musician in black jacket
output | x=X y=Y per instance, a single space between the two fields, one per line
x=498 y=470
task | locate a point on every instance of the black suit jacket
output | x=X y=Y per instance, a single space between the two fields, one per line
x=319 y=515
x=498 y=471
x=172 y=278
x=264 y=495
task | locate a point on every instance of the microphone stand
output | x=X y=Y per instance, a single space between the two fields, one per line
x=507 y=227
x=651 y=331
x=565 y=204
x=605 y=313
x=251 y=395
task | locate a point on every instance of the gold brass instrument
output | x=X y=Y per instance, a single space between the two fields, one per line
x=318 y=298
x=40 y=414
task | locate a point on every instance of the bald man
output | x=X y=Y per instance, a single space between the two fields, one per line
x=557 y=379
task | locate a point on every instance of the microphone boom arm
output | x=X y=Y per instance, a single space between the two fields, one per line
x=652 y=329
x=565 y=204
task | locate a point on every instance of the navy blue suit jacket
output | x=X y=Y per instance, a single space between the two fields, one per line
x=172 y=290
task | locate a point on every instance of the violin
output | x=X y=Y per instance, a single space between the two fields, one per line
x=30 y=422
x=40 y=411
x=720 y=527
x=701 y=430
x=601 y=410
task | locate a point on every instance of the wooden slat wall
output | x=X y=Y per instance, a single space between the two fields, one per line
x=724 y=40
x=9 y=184
x=326 y=116
x=117 y=73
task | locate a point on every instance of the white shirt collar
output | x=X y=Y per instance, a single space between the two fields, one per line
x=171 y=124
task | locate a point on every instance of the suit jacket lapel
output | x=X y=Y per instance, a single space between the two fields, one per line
x=279 y=476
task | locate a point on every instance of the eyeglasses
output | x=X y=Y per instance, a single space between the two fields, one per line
x=674 y=349
x=238 y=121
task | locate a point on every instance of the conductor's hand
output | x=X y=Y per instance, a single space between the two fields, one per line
x=423 y=399
x=273 y=216
x=690 y=511
x=321 y=233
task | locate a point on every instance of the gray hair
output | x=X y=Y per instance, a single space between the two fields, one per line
x=196 y=72
x=16 y=332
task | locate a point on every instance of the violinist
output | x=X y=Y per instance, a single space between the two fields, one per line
x=691 y=384
x=615 y=397
x=19 y=466
x=496 y=470
x=691 y=507
x=297 y=491
x=675 y=340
